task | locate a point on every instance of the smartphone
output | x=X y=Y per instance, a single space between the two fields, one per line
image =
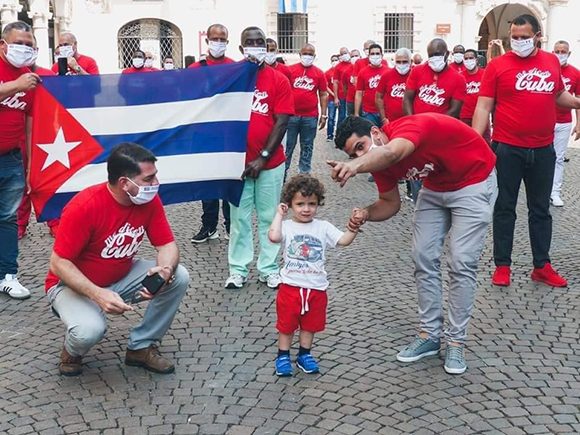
x=153 y=283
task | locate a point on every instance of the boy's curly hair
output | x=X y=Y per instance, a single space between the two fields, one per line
x=305 y=184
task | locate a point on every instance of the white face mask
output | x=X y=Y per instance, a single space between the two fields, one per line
x=354 y=59
x=523 y=47
x=148 y=63
x=271 y=57
x=437 y=63
x=333 y=63
x=217 y=48
x=402 y=68
x=168 y=66
x=307 y=59
x=21 y=55
x=145 y=194
x=138 y=62
x=66 y=51
x=563 y=58
x=344 y=57
x=458 y=57
x=258 y=53
x=375 y=59
x=470 y=64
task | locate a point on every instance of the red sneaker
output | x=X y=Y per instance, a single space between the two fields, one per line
x=502 y=276
x=548 y=276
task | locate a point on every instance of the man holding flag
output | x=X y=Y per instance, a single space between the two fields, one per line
x=17 y=82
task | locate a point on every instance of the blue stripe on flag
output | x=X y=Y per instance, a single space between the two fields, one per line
x=152 y=87
x=187 y=139
x=228 y=190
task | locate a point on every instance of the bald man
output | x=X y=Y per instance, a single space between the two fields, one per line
x=338 y=87
x=78 y=64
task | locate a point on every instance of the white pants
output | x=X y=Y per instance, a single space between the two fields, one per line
x=561 y=139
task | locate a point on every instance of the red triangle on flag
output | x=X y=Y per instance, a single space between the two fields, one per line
x=51 y=163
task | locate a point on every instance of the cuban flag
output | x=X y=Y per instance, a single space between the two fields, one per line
x=195 y=121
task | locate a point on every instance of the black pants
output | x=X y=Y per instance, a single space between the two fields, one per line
x=535 y=166
x=210 y=216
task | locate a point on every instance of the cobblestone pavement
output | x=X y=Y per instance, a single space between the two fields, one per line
x=523 y=347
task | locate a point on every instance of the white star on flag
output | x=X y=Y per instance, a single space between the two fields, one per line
x=58 y=150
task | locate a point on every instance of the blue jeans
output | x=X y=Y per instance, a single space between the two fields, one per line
x=375 y=118
x=331 y=119
x=305 y=126
x=211 y=211
x=341 y=112
x=12 y=182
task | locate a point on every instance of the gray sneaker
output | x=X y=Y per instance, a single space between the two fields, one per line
x=419 y=348
x=455 y=360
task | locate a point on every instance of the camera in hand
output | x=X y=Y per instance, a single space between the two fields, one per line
x=153 y=283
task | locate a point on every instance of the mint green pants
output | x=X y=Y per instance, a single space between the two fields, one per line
x=263 y=195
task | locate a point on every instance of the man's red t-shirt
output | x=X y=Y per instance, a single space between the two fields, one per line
x=472 y=86
x=339 y=70
x=101 y=237
x=305 y=83
x=85 y=62
x=392 y=85
x=211 y=61
x=329 y=74
x=348 y=82
x=43 y=71
x=13 y=110
x=448 y=156
x=458 y=67
x=282 y=68
x=525 y=91
x=571 y=77
x=368 y=81
x=272 y=96
x=434 y=91
x=133 y=70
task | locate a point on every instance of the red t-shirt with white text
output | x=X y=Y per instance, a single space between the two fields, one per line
x=329 y=74
x=368 y=81
x=525 y=91
x=339 y=70
x=13 y=110
x=85 y=62
x=282 y=68
x=348 y=79
x=458 y=67
x=272 y=96
x=434 y=91
x=448 y=155
x=392 y=86
x=571 y=77
x=305 y=83
x=472 y=87
x=101 y=237
x=211 y=61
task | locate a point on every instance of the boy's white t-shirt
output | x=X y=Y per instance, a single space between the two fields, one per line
x=304 y=247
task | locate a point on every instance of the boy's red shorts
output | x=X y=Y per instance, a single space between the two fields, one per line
x=300 y=308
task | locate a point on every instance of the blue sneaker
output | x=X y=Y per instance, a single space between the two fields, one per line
x=455 y=360
x=283 y=366
x=307 y=363
x=419 y=348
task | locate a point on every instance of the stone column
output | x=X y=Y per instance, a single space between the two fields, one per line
x=9 y=11
x=469 y=23
x=39 y=13
x=557 y=15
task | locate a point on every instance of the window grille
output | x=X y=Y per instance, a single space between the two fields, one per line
x=292 y=32
x=398 y=31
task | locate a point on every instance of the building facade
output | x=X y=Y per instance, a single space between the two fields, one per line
x=109 y=30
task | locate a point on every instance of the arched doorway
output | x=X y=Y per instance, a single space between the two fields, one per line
x=496 y=24
x=160 y=37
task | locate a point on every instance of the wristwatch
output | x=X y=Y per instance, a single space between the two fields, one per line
x=265 y=154
x=324 y=116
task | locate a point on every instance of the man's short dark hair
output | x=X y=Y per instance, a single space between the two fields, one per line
x=352 y=124
x=374 y=45
x=16 y=25
x=249 y=29
x=524 y=19
x=124 y=161
x=471 y=50
x=306 y=184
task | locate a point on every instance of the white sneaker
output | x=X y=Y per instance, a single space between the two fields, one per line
x=272 y=280
x=13 y=288
x=557 y=201
x=235 y=281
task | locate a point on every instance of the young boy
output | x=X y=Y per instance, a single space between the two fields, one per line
x=301 y=301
